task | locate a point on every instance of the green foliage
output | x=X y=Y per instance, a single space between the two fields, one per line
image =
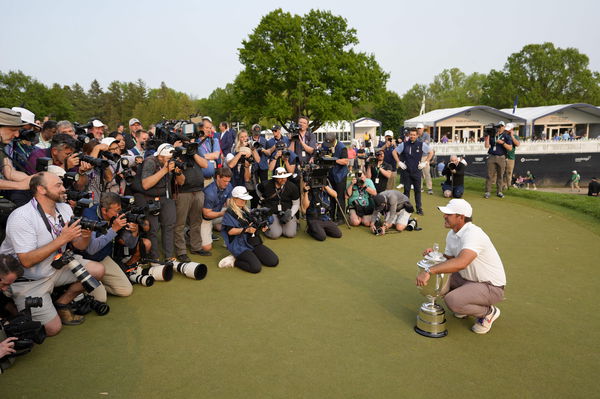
x=389 y=110
x=542 y=74
x=305 y=65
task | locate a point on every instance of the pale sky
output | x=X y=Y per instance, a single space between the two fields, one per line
x=192 y=45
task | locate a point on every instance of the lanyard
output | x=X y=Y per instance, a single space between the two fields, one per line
x=53 y=229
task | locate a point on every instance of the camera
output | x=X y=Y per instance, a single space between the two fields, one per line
x=489 y=130
x=67 y=258
x=81 y=205
x=378 y=227
x=413 y=225
x=28 y=135
x=85 y=303
x=196 y=271
x=315 y=175
x=284 y=216
x=96 y=162
x=74 y=195
x=136 y=277
x=132 y=217
x=27 y=332
x=371 y=160
x=99 y=226
x=42 y=163
x=158 y=272
x=152 y=208
x=259 y=217
x=294 y=129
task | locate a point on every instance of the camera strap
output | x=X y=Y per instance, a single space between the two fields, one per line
x=52 y=229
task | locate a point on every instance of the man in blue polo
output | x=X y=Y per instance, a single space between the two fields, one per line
x=498 y=146
x=263 y=165
x=338 y=173
x=411 y=152
x=215 y=197
x=390 y=157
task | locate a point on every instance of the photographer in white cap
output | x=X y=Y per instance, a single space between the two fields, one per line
x=282 y=197
x=478 y=279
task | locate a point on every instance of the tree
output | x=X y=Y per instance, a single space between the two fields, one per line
x=389 y=110
x=541 y=74
x=453 y=88
x=305 y=65
x=164 y=103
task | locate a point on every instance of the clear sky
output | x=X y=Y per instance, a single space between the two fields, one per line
x=192 y=45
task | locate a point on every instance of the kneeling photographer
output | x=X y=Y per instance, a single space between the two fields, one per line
x=10 y=270
x=38 y=234
x=360 y=191
x=241 y=233
x=317 y=202
x=396 y=209
x=102 y=246
x=282 y=197
x=454 y=186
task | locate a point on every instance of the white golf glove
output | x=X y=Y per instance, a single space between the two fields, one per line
x=422 y=165
x=402 y=165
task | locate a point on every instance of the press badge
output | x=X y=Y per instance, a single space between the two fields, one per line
x=377 y=180
x=323 y=210
x=279 y=208
x=303 y=154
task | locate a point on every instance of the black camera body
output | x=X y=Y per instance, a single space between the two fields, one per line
x=152 y=208
x=95 y=162
x=27 y=332
x=138 y=218
x=294 y=129
x=42 y=163
x=67 y=258
x=315 y=175
x=99 y=226
x=284 y=216
x=378 y=223
x=259 y=217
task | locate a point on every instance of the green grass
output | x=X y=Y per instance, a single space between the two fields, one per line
x=335 y=320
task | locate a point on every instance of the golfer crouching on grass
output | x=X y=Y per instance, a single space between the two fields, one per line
x=242 y=239
x=477 y=281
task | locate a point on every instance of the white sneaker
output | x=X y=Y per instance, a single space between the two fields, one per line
x=482 y=326
x=460 y=316
x=227 y=261
x=400 y=186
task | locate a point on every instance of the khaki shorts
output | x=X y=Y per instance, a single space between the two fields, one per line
x=206 y=230
x=43 y=288
x=401 y=218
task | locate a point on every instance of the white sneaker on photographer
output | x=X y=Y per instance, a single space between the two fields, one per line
x=460 y=316
x=482 y=326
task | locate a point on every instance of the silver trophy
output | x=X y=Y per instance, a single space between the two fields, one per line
x=431 y=319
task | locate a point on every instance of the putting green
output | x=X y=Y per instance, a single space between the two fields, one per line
x=335 y=319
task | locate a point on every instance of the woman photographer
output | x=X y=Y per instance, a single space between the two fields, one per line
x=242 y=238
x=240 y=159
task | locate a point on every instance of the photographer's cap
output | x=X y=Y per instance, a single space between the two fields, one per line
x=108 y=141
x=388 y=133
x=457 y=207
x=241 y=193
x=26 y=116
x=207 y=118
x=56 y=170
x=330 y=138
x=256 y=128
x=8 y=117
x=281 y=173
x=165 y=150
x=275 y=128
x=133 y=121
x=501 y=123
x=509 y=126
x=98 y=123
x=420 y=126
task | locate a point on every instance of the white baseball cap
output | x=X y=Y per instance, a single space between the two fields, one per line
x=457 y=207
x=281 y=173
x=241 y=193
x=26 y=115
x=388 y=133
x=98 y=123
x=108 y=141
x=165 y=150
x=133 y=121
x=501 y=123
x=509 y=126
x=56 y=170
x=420 y=126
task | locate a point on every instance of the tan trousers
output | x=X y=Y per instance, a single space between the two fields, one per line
x=114 y=282
x=470 y=297
x=426 y=171
x=495 y=172
x=508 y=172
x=189 y=209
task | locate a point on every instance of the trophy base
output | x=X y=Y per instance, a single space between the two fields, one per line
x=430 y=334
x=431 y=321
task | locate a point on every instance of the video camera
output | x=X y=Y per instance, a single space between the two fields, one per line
x=27 y=332
x=294 y=129
x=489 y=130
x=28 y=135
x=315 y=176
x=259 y=217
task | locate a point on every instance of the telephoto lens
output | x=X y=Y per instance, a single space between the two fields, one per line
x=67 y=258
x=84 y=304
x=159 y=272
x=136 y=277
x=194 y=270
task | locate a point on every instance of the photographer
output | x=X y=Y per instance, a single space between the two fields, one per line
x=101 y=246
x=209 y=148
x=390 y=157
x=10 y=178
x=242 y=237
x=455 y=178
x=259 y=143
x=240 y=161
x=379 y=171
x=396 y=209
x=66 y=127
x=498 y=144
x=36 y=232
x=131 y=138
x=189 y=202
x=282 y=197
x=215 y=197
x=156 y=180
x=96 y=130
x=139 y=149
x=359 y=192
x=304 y=143
x=280 y=154
x=316 y=203
x=46 y=134
x=338 y=173
x=10 y=270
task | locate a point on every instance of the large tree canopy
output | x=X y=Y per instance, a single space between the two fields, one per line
x=541 y=74
x=305 y=65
